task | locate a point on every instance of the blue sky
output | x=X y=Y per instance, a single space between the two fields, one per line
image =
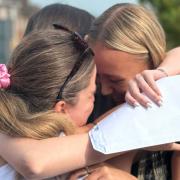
x=95 y=7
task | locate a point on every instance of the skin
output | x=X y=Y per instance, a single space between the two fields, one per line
x=176 y=166
x=28 y=155
x=115 y=69
x=102 y=171
x=85 y=103
x=145 y=81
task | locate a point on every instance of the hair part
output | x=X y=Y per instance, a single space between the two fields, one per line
x=74 y=18
x=133 y=29
x=40 y=65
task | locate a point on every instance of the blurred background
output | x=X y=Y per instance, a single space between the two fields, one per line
x=15 y=13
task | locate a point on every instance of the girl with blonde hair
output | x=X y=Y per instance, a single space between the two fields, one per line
x=128 y=39
x=107 y=47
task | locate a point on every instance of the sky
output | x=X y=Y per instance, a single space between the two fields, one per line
x=96 y=7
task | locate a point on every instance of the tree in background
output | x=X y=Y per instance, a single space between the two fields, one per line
x=168 y=12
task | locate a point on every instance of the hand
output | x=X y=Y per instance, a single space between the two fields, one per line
x=165 y=147
x=144 y=82
x=103 y=172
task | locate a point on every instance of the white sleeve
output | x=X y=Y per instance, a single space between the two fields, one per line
x=130 y=128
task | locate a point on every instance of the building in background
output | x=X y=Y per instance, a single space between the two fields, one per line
x=13 y=18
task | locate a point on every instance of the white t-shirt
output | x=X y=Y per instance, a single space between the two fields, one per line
x=7 y=172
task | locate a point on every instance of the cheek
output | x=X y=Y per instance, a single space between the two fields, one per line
x=91 y=107
x=80 y=113
x=88 y=108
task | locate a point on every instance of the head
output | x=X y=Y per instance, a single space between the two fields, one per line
x=74 y=18
x=39 y=67
x=126 y=40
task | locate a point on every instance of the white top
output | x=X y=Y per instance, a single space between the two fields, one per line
x=130 y=128
x=7 y=172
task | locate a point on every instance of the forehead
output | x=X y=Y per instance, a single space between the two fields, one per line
x=113 y=62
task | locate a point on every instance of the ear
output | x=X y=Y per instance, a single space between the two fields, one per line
x=60 y=107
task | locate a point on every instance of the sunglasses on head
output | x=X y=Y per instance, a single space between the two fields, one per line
x=81 y=45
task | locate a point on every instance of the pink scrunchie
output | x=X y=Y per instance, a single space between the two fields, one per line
x=4 y=77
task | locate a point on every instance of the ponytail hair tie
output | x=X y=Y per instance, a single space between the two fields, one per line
x=4 y=77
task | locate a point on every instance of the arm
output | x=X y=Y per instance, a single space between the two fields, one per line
x=31 y=157
x=171 y=63
x=145 y=81
x=49 y=157
x=176 y=166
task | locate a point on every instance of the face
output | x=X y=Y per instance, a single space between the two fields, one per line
x=115 y=68
x=80 y=112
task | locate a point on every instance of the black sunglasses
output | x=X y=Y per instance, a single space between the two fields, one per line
x=80 y=44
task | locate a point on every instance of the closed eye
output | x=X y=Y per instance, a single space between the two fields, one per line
x=116 y=80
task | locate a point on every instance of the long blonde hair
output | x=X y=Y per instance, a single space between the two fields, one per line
x=133 y=29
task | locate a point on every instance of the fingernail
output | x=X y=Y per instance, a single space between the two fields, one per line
x=160 y=102
x=149 y=105
x=136 y=104
x=160 y=98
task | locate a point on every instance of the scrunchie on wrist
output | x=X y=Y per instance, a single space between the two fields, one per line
x=4 y=77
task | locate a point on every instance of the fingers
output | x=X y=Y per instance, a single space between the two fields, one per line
x=79 y=173
x=130 y=100
x=103 y=172
x=144 y=82
x=151 y=81
x=136 y=95
x=107 y=172
x=148 y=85
x=96 y=175
x=84 y=173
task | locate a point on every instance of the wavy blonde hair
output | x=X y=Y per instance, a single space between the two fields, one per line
x=133 y=29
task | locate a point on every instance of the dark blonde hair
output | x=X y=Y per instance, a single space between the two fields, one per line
x=38 y=68
x=133 y=29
